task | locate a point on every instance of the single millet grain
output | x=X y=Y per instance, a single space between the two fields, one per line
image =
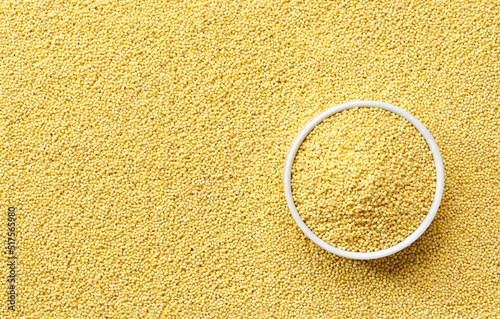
x=363 y=179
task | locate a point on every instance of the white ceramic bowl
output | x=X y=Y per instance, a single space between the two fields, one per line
x=413 y=236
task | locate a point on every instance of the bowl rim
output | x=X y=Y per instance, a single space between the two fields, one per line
x=420 y=229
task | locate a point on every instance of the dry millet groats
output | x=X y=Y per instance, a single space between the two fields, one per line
x=143 y=144
x=363 y=179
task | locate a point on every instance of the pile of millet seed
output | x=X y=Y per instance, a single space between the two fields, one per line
x=143 y=144
x=363 y=179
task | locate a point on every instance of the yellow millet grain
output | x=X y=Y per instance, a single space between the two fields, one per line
x=143 y=145
x=363 y=179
